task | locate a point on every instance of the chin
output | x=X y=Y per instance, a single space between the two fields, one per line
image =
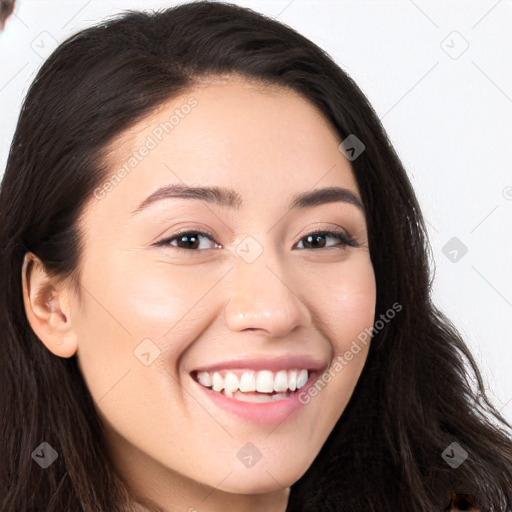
x=261 y=484
x=262 y=481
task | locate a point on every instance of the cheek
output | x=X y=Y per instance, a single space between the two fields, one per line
x=346 y=305
x=344 y=298
x=134 y=308
x=354 y=308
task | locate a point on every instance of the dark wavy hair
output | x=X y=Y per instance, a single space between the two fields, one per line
x=420 y=389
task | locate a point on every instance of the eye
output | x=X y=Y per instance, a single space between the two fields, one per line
x=191 y=240
x=318 y=237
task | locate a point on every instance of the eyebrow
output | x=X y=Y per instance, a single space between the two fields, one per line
x=222 y=196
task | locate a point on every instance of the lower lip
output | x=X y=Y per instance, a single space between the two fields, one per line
x=266 y=413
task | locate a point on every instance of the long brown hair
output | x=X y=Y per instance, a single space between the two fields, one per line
x=420 y=389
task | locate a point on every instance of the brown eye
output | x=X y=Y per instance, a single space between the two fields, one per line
x=186 y=241
x=316 y=238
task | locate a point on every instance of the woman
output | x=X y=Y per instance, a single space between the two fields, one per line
x=216 y=291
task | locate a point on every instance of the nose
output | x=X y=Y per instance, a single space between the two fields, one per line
x=264 y=298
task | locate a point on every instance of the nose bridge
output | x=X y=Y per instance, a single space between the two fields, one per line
x=263 y=298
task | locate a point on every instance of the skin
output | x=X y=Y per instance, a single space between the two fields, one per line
x=168 y=442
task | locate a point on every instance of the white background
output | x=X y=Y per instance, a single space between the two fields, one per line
x=447 y=109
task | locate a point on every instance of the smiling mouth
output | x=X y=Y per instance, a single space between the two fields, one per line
x=247 y=385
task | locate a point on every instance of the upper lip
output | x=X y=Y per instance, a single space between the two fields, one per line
x=283 y=362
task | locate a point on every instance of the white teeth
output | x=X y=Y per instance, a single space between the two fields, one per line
x=281 y=381
x=217 y=382
x=204 y=378
x=302 y=378
x=264 y=381
x=259 y=397
x=248 y=382
x=231 y=382
x=292 y=380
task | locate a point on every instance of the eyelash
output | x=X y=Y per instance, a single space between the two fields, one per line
x=345 y=240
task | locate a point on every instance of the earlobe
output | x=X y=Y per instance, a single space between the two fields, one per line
x=47 y=308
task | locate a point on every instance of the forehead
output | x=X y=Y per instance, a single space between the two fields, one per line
x=259 y=139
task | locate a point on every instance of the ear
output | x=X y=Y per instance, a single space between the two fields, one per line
x=47 y=307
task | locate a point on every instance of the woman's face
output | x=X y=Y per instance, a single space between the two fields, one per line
x=245 y=297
